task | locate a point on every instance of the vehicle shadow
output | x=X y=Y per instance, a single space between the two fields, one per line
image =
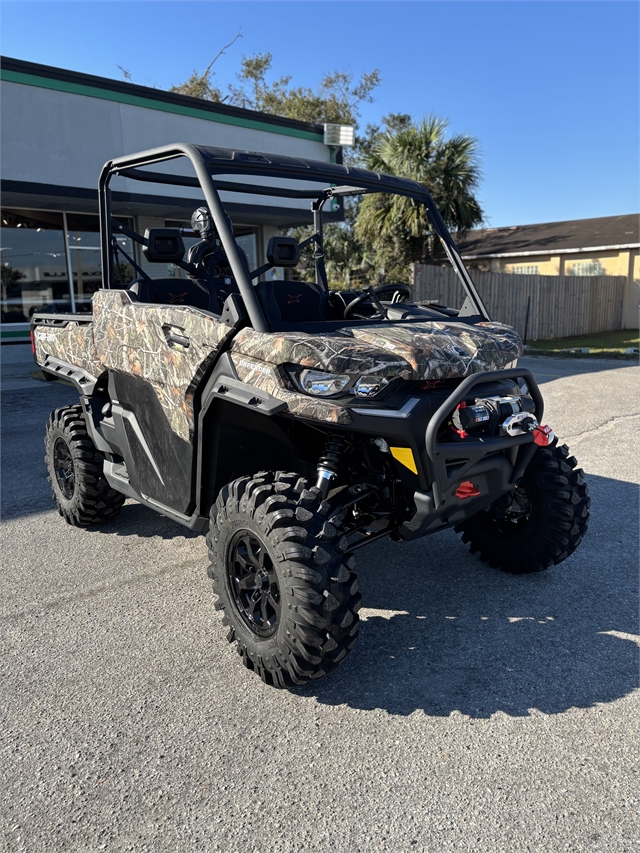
x=138 y=520
x=441 y=632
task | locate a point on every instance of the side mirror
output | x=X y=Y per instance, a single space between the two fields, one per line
x=163 y=245
x=283 y=252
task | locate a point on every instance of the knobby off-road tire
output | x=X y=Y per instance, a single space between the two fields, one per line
x=539 y=523
x=82 y=494
x=282 y=578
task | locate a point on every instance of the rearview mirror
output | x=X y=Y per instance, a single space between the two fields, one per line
x=163 y=245
x=283 y=252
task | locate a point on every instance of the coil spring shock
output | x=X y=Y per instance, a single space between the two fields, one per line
x=329 y=462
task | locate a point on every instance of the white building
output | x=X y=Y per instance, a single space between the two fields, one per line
x=59 y=128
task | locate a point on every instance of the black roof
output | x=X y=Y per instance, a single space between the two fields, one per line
x=605 y=231
x=229 y=161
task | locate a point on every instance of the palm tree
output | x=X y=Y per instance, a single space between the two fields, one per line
x=448 y=168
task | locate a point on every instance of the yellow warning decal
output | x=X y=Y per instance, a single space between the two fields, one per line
x=404 y=457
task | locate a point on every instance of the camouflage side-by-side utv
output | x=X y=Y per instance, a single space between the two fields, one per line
x=294 y=424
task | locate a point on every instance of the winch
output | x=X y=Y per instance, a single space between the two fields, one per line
x=495 y=416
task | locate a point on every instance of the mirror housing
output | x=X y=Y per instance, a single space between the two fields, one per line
x=283 y=252
x=164 y=245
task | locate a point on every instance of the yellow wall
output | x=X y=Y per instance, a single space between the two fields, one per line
x=613 y=262
x=547 y=265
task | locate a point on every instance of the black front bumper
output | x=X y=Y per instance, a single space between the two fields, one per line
x=491 y=464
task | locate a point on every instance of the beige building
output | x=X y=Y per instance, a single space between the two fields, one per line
x=608 y=245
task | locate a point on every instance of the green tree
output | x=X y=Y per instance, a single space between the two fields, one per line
x=349 y=265
x=336 y=100
x=448 y=167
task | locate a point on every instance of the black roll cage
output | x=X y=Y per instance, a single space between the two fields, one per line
x=209 y=161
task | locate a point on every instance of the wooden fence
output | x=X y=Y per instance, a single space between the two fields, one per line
x=539 y=307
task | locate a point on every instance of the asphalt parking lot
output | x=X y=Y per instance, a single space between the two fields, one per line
x=478 y=711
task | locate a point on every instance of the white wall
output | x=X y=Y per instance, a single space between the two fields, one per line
x=64 y=139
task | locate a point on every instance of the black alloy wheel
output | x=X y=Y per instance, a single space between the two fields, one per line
x=75 y=466
x=282 y=577
x=509 y=514
x=64 y=468
x=539 y=523
x=254 y=583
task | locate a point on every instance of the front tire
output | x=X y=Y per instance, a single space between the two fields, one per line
x=83 y=495
x=537 y=524
x=282 y=578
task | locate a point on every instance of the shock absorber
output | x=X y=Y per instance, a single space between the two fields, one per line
x=329 y=462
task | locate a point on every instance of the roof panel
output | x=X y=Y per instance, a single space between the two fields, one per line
x=552 y=236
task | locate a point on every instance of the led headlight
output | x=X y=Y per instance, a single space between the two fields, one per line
x=369 y=386
x=323 y=384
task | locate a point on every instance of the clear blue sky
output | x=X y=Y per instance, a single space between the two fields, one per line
x=550 y=89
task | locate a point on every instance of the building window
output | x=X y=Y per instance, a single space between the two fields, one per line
x=587 y=268
x=40 y=251
x=83 y=241
x=35 y=273
x=525 y=269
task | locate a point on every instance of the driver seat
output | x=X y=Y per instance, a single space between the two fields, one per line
x=293 y=301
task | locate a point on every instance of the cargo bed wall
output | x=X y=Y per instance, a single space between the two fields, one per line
x=67 y=338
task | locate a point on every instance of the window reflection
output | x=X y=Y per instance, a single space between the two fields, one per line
x=84 y=250
x=34 y=264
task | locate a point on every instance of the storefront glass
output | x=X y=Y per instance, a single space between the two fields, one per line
x=34 y=264
x=83 y=236
x=40 y=249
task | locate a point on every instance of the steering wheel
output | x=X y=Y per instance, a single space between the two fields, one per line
x=403 y=291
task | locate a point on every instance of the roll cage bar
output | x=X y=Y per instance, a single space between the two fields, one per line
x=210 y=161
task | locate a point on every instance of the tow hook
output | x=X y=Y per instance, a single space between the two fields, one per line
x=467 y=490
x=542 y=435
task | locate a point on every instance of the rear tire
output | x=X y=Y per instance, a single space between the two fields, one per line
x=539 y=523
x=281 y=576
x=83 y=495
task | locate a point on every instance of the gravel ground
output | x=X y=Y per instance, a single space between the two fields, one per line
x=478 y=711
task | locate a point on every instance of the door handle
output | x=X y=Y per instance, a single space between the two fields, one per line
x=175 y=338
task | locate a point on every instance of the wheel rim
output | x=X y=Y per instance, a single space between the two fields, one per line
x=254 y=583
x=509 y=515
x=64 y=468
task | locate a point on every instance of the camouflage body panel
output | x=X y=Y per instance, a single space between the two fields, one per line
x=72 y=343
x=272 y=379
x=132 y=337
x=416 y=351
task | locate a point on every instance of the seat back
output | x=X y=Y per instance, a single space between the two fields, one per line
x=171 y=291
x=293 y=301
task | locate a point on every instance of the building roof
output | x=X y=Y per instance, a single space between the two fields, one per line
x=74 y=82
x=607 y=232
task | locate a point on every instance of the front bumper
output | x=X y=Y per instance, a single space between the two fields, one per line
x=485 y=466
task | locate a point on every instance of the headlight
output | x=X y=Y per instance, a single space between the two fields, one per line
x=369 y=386
x=323 y=384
